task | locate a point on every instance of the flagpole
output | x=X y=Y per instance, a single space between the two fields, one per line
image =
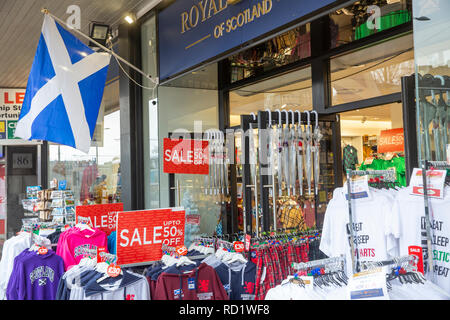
x=45 y=11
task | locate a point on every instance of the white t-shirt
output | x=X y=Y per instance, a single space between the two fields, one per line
x=407 y=224
x=369 y=219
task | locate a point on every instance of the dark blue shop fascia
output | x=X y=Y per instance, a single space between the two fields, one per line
x=191 y=32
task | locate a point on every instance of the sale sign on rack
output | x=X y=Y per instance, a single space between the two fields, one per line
x=140 y=234
x=184 y=156
x=391 y=141
x=435 y=183
x=101 y=216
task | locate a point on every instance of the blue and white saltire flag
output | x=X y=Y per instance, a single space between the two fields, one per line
x=64 y=90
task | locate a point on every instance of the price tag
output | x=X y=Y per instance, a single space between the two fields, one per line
x=435 y=183
x=417 y=251
x=113 y=271
x=181 y=250
x=191 y=283
x=368 y=160
x=238 y=246
x=368 y=285
x=248 y=239
x=42 y=250
x=308 y=281
x=99 y=256
x=389 y=156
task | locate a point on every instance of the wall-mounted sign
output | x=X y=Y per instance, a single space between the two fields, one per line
x=22 y=160
x=10 y=105
x=193 y=31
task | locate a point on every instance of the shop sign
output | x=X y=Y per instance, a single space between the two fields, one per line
x=391 y=141
x=140 y=234
x=10 y=105
x=184 y=156
x=101 y=216
x=191 y=32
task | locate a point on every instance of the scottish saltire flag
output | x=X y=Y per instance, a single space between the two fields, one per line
x=64 y=90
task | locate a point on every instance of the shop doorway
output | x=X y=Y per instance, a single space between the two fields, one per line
x=373 y=138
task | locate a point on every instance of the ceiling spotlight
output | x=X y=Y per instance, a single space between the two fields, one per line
x=130 y=18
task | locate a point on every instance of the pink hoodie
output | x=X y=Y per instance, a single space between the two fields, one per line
x=75 y=243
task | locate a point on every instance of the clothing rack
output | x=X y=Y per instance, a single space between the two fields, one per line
x=368 y=265
x=308 y=233
x=320 y=263
x=388 y=175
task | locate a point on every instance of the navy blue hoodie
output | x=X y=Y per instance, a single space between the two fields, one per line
x=241 y=280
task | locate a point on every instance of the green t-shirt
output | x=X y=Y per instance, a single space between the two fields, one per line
x=377 y=164
x=398 y=163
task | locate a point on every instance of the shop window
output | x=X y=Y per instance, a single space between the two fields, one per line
x=289 y=47
x=432 y=59
x=94 y=177
x=365 y=18
x=291 y=91
x=371 y=72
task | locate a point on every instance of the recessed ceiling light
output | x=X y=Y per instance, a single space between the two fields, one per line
x=129 y=18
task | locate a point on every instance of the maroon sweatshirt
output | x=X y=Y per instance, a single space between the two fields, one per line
x=202 y=283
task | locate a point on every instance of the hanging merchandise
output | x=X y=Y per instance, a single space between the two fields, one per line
x=285 y=154
x=186 y=278
x=274 y=256
x=397 y=163
x=280 y=162
x=291 y=152
x=292 y=156
x=73 y=242
x=12 y=248
x=291 y=216
x=253 y=158
x=412 y=228
x=299 y=151
x=35 y=274
x=317 y=136
x=326 y=279
x=96 y=277
x=272 y=150
x=307 y=138
x=350 y=157
x=367 y=211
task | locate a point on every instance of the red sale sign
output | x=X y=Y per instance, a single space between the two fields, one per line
x=184 y=156
x=101 y=216
x=391 y=141
x=417 y=251
x=140 y=234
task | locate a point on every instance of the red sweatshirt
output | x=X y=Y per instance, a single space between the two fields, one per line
x=202 y=283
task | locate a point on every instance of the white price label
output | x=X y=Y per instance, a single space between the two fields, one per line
x=368 y=285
